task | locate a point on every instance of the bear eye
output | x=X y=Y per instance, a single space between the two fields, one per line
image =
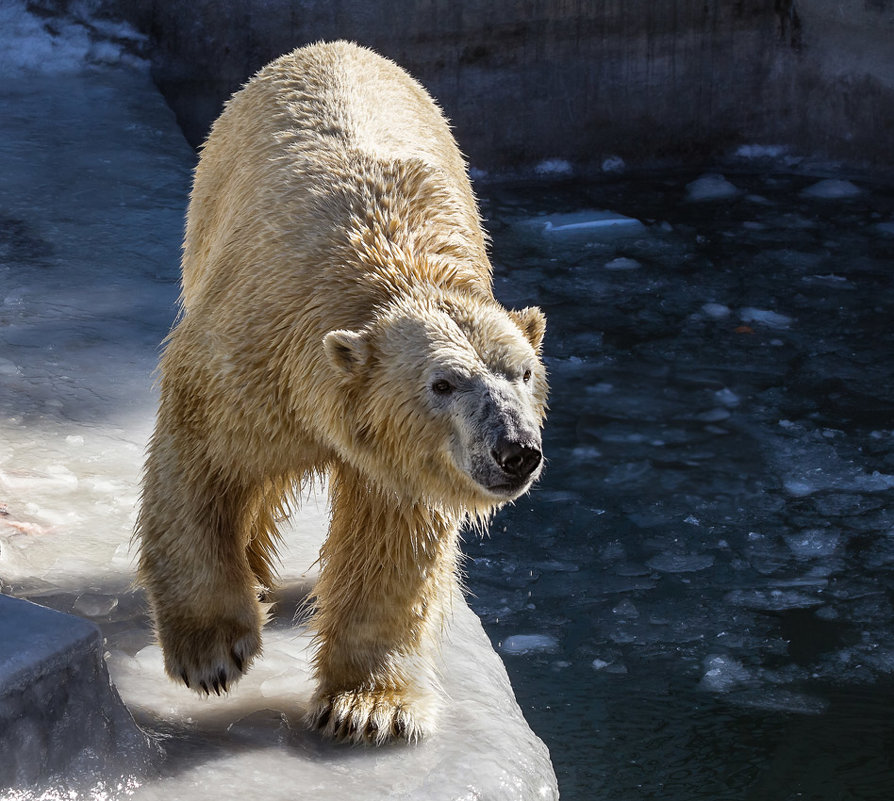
x=442 y=387
x=526 y=376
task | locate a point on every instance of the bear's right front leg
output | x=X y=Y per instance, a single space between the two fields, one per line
x=193 y=564
x=387 y=580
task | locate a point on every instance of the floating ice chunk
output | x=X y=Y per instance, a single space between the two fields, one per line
x=765 y=317
x=714 y=415
x=772 y=600
x=760 y=151
x=594 y=224
x=609 y=667
x=586 y=452
x=727 y=397
x=613 y=164
x=798 y=488
x=554 y=167
x=681 y=563
x=722 y=673
x=716 y=311
x=814 y=542
x=779 y=700
x=529 y=643
x=832 y=189
x=623 y=263
x=626 y=609
x=710 y=187
x=885 y=228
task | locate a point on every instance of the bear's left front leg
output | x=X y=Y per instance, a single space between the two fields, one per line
x=388 y=578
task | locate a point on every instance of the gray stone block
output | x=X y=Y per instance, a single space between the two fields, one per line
x=59 y=714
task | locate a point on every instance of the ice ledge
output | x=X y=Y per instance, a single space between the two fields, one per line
x=255 y=744
x=59 y=714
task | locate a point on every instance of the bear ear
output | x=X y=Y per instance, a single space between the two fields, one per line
x=347 y=351
x=532 y=323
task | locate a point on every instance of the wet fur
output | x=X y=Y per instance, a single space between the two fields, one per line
x=330 y=207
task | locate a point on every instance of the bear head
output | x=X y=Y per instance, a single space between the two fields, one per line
x=444 y=399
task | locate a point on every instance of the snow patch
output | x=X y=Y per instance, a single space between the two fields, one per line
x=61 y=44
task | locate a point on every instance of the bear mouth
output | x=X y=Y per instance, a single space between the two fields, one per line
x=509 y=489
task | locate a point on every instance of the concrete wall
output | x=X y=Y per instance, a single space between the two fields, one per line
x=525 y=80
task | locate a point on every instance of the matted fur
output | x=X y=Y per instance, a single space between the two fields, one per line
x=333 y=264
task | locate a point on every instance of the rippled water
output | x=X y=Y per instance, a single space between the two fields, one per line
x=705 y=575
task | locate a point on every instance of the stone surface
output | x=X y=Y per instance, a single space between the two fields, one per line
x=59 y=714
x=527 y=81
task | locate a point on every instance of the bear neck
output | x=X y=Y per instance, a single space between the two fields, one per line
x=410 y=227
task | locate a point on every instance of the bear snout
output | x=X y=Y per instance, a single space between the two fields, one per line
x=516 y=459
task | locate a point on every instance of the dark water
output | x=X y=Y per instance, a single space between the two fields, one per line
x=709 y=558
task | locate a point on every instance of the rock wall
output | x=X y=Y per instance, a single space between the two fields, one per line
x=526 y=80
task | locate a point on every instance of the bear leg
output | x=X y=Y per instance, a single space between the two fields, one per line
x=388 y=577
x=194 y=563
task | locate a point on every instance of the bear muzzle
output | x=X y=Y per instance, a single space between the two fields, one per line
x=518 y=463
x=515 y=459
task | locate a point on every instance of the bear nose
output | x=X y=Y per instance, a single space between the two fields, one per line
x=518 y=460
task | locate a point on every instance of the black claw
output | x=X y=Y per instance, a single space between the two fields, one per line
x=216 y=686
x=204 y=687
x=185 y=678
x=222 y=678
x=238 y=660
x=324 y=718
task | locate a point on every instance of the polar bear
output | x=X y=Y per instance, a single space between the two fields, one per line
x=336 y=317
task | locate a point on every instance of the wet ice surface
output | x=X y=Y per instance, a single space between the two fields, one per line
x=710 y=552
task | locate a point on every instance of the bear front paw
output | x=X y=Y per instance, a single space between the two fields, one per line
x=209 y=658
x=373 y=717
